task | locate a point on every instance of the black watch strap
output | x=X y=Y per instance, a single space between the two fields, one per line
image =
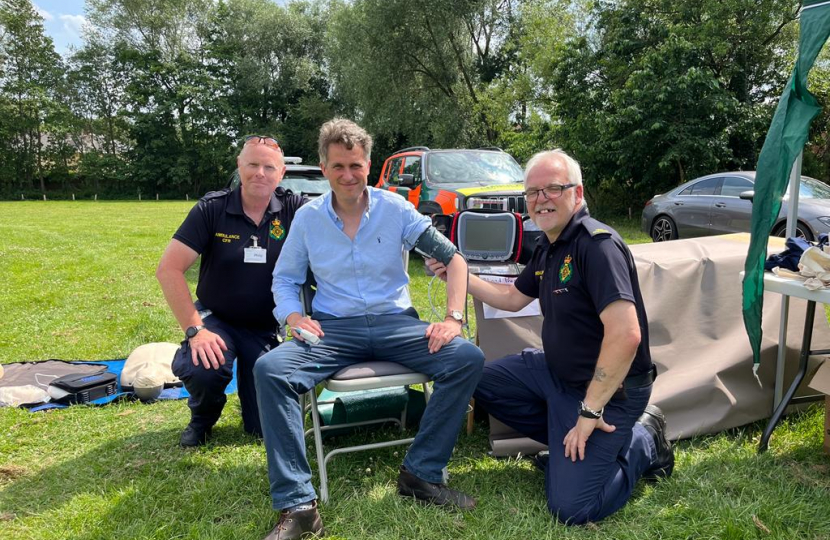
x=587 y=412
x=193 y=330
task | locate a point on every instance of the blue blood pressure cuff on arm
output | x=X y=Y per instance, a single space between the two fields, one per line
x=433 y=244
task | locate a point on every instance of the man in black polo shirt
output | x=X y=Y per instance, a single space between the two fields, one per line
x=586 y=395
x=239 y=234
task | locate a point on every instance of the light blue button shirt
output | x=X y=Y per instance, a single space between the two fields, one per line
x=364 y=276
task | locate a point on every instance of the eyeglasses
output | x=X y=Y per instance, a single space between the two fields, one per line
x=263 y=139
x=553 y=191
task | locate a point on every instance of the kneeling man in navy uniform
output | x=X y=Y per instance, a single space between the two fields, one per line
x=586 y=395
x=239 y=234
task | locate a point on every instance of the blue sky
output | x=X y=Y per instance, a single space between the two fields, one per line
x=63 y=20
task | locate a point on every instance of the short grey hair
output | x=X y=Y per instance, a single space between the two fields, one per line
x=571 y=165
x=345 y=132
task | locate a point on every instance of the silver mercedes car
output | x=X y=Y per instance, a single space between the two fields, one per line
x=722 y=203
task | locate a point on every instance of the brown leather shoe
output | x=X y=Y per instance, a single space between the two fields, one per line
x=298 y=524
x=410 y=485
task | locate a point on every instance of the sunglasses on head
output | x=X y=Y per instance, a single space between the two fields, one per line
x=263 y=139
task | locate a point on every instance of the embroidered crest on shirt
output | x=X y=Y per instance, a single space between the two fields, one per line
x=566 y=270
x=277 y=232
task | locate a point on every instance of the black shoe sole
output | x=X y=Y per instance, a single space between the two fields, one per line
x=659 y=474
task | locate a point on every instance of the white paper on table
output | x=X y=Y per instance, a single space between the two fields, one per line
x=531 y=310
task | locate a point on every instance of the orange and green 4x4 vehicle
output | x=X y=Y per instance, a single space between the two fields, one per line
x=446 y=181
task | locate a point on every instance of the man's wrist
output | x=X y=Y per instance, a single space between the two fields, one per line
x=296 y=317
x=587 y=412
x=191 y=331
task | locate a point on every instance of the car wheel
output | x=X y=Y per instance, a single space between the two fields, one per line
x=801 y=231
x=663 y=229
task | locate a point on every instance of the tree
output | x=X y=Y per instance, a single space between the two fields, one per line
x=420 y=69
x=269 y=61
x=31 y=69
x=660 y=91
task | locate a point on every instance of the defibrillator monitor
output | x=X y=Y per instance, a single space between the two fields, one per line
x=487 y=236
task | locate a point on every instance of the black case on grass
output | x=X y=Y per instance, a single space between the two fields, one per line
x=86 y=388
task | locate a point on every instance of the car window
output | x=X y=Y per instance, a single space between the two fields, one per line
x=733 y=186
x=705 y=187
x=394 y=171
x=309 y=185
x=811 y=188
x=475 y=167
x=412 y=166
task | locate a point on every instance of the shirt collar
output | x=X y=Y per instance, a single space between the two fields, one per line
x=235 y=202
x=329 y=203
x=570 y=229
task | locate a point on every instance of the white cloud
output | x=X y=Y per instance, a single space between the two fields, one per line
x=73 y=24
x=43 y=13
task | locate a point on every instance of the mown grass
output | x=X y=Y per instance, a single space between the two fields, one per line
x=76 y=281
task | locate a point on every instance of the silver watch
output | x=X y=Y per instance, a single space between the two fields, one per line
x=455 y=315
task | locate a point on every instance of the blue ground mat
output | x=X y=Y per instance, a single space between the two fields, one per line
x=116 y=366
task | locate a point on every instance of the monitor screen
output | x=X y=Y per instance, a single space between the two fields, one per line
x=486 y=237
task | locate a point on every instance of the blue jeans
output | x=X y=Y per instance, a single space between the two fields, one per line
x=520 y=391
x=295 y=368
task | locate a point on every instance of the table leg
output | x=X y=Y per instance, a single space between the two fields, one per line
x=802 y=371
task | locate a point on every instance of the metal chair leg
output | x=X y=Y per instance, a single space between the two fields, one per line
x=318 y=444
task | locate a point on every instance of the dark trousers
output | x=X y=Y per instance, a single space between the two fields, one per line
x=207 y=386
x=520 y=391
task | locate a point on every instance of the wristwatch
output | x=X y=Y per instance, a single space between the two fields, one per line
x=587 y=412
x=455 y=315
x=193 y=330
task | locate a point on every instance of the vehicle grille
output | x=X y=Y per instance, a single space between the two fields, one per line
x=513 y=203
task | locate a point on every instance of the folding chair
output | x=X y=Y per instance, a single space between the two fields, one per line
x=357 y=377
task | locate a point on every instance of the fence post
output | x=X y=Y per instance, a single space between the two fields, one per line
x=96 y=196
x=44 y=196
x=157 y=196
x=73 y=196
x=186 y=197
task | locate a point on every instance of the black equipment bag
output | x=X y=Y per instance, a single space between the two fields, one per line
x=85 y=388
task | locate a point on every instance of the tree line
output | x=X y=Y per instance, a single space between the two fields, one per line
x=644 y=93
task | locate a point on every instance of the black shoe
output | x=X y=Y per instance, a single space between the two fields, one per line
x=194 y=435
x=410 y=485
x=540 y=460
x=654 y=421
x=297 y=524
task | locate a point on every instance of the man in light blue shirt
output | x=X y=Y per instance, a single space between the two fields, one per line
x=352 y=239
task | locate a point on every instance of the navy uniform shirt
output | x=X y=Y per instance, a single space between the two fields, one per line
x=217 y=228
x=575 y=278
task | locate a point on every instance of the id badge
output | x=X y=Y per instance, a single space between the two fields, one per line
x=256 y=255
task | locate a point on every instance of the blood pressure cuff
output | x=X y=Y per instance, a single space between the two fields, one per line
x=433 y=244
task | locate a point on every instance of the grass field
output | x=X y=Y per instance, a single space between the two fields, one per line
x=76 y=282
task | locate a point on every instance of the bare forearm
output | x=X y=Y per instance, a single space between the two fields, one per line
x=608 y=376
x=456 y=283
x=619 y=345
x=177 y=293
x=498 y=295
